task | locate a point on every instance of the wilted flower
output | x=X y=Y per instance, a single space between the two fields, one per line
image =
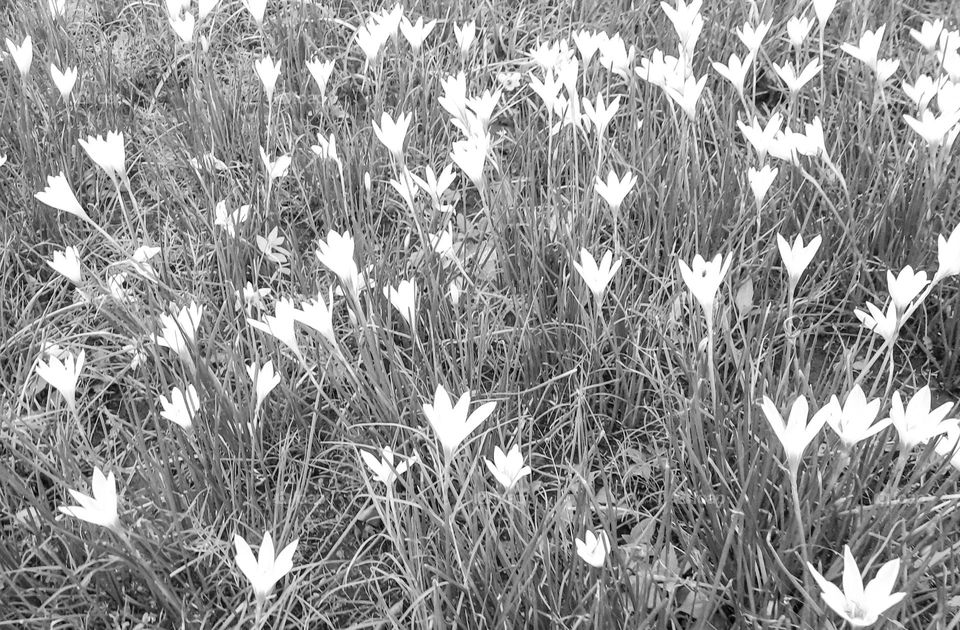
x=597 y=277
x=67 y=264
x=593 y=549
x=704 y=279
x=854 y=420
x=507 y=468
x=22 y=55
x=884 y=324
x=615 y=189
x=101 y=509
x=269 y=72
x=797 y=258
x=391 y=134
x=795 y=434
x=919 y=422
x=451 y=423
x=384 y=469
x=266 y=570
x=905 y=286
x=63 y=375
x=281 y=324
x=181 y=407
x=264 y=381
x=108 y=153
x=858 y=605
x=321 y=71
x=63 y=80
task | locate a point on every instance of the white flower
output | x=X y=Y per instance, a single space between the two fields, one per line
x=704 y=279
x=923 y=89
x=436 y=185
x=948 y=255
x=22 y=55
x=177 y=332
x=868 y=49
x=451 y=423
x=919 y=422
x=615 y=189
x=108 y=153
x=796 y=259
x=266 y=570
x=383 y=469
x=792 y=79
x=935 y=129
x=601 y=114
x=264 y=381
x=321 y=71
x=404 y=299
x=232 y=220
x=269 y=72
x=63 y=375
x=596 y=276
x=752 y=36
x=465 y=35
x=854 y=420
x=392 y=134
x=795 y=434
x=588 y=43
x=336 y=254
x=281 y=324
x=593 y=549
x=270 y=247
x=928 y=35
x=797 y=30
x=101 y=509
x=761 y=138
x=860 y=606
x=415 y=34
x=181 y=407
x=250 y=297
x=884 y=324
x=315 y=314
x=67 y=264
x=760 y=181
x=63 y=80
x=688 y=95
x=256 y=8
x=275 y=169
x=735 y=70
x=470 y=155
x=905 y=286
x=507 y=468
x=183 y=26
x=823 y=9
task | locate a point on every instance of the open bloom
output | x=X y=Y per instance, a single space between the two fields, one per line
x=336 y=254
x=795 y=434
x=797 y=258
x=181 y=407
x=275 y=168
x=451 y=422
x=868 y=48
x=315 y=314
x=384 y=470
x=176 y=332
x=269 y=72
x=854 y=420
x=436 y=185
x=63 y=80
x=887 y=325
x=798 y=27
x=948 y=255
x=321 y=71
x=108 y=153
x=392 y=133
x=59 y=196
x=794 y=80
x=860 y=606
x=905 y=286
x=416 y=33
x=63 y=375
x=101 y=509
x=404 y=299
x=67 y=264
x=760 y=181
x=507 y=468
x=761 y=138
x=600 y=114
x=704 y=279
x=256 y=8
x=264 y=381
x=593 y=549
x=615 y=189
x=266 y=570
x=281 y=324
x=918 y=422
x=734 y=71
x=22 y=55
x=596 y=276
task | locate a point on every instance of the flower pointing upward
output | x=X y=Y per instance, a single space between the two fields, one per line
x=266 y=570
x=795 y=434
x=59 y=196
x=860 y=606
x=615 y=189
x=704 y=279
x=507 y=468
x=101 y=509
x=383 y=469
x=392 y=134
x=451 y=422
x=797 y=258
x=854 y=420
x=108 y=153
x=919 y=421
x=593 y=549
x=597 y=277
x=63 y=375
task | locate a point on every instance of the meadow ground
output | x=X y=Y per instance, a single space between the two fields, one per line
x=320 y=280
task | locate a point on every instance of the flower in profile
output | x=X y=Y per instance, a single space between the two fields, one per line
x=928 y=35
x=615 y=189
x=108 y=153
x=404 y=299
x=922 y=91
x=22 y=55
x=67 y=264
x=823 y=9
x=884 y=324
x=416 y=33
x=275 y=169
x=269 y=72
x=181 y=407
x=948 y=255
x=795 y=81
x=734 y=71
x=371 y=39
x=596 y=276
x=465 y=35
x=384 y=470
x=601 y=114
x=795 y=434
x=471 y=155
x=59 y=196
x=205 y=7
x=854 y=420
x=183 y=25
x=860 y=606
x=321 y=71
x=752 y=36
x=250 y=297
x=436 y=185
x=796 y=259
x=798 y=27
x=451 y=422
x=761 y=138
x=588 y=43
x=64 y=81
x=919 y=422
x=62 y=375
x=101 y=508
x=326 y=149
x=704 y=279
x=760 y=181
x=868 y=49
x=687 y=95
x=593 y=549
x=905 y=286
x=230 y=221
x=507 y=468
x=281 y=324
x=266 y=570
x=687 y=22
x=178 y=332
x=256 y=8
x=315 y=314
x=264 y=381
x=336 y=254
x=935 y=129
x=392 y=134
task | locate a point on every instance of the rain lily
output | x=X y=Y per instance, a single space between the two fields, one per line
x=107 y=153
x=615 y=189
x=415 y=34
x=868 y=49
x=435 y=185
x=854 y=420
x=183 y=26
x=451 y=422
x=22 y=55
x=176 y=332
x=383 y=469
x=704 y=279
x=264 y=381
x=798 y=27
x=928 y=35
x=688 y=95
x=315 y=314
x=63 y=375
x=321 y=71
x=507 y=468
x=588 y=43
x=275 y=169
x=281 y=324
x=250 y=297
x=265 y=570
x=752 y=36
x=596 y=276
x=270 y=247
x=823 y=9
x=326 y=149
x=391 y=134
x=63 y=80
x=336 y=254
x=860 y=606
x=181 y=407
x=796 y=259
x=256 y=8
x=948 y=255
x=794 y=81
x=795 y=434
x=905 y=286
x=761 y=138
x=760 y=181
x=67 y=264
x=734 y=71
x=465 y=35
x=470 y=155
x=593 y=549
x=230 y=221
x=947 y=446
x=687 y=22
x=919 y=422
x=601 y=114
x=101 y=509
x=933 y=128
x=922 y=91
x=884 y=324
x=205 y=7
x=269 y=72
x=59 y=196
x=404 y=299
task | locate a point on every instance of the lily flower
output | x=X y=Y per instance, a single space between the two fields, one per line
x=792 y=79
x=928 y=35
x=62 y=375
x=101 y=509
x=416 y=33
x=601 y=114
x=436 y=185
x=108 y=153
x=761 y=138
x=383 y=469
x=918 y=422
x=704 y=279
x=735 y=70
x=63 y=80
x=860 y=606
x=315 y=314
x=336 y=254
x=593 y=549
x=22 y=55
x=823 y=9
x=176 y=332
x=264 y=381
x=948 y=255
x=392 y=134
x=451 y=422
x=181 y=407
x=256 y=8
x=615 y=189
x=798 y=27
x=854 y=421
x=275 y=169
x=796 y=259
x=507 y=468
x=321 y=71
x=795 y=434
x=868 y=48
x=67 y=264
x=269 y=72
x=760 y=181
x=887 y=325
x=905 y=286
x=596 y=276
x=752 y=36
x=266 y=570
x=281 y=324
x=465 y=35
x=404 y=299
x=59 y=196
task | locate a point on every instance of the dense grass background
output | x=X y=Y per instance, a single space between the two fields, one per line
x=609 y=402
